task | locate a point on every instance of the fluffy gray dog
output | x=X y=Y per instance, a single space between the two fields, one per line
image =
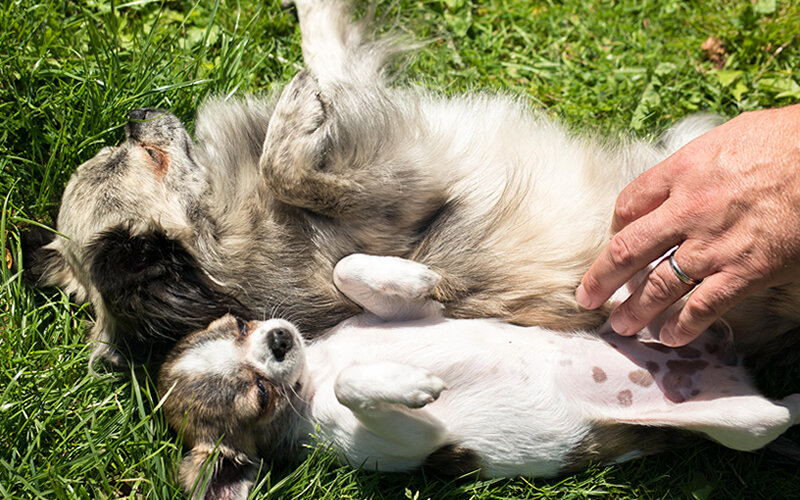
x=164 y=234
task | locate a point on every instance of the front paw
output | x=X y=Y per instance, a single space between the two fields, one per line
x=368 y=387
x=425 y=390
x=360 y=274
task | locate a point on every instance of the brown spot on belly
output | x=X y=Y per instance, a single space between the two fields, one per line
x=641 y=377
x=652 y=367
x=688 y=352
x=678 y=381
x=657 y=347
x=565 y=362
x=625 y=397
x=689 y=367
x=598 y=374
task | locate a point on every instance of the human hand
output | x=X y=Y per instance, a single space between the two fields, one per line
x=730 y=200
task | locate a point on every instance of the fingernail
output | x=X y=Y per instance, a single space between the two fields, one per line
x=619 y=324
x=583 y=298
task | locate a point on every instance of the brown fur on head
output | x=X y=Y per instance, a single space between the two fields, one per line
x=232 y=391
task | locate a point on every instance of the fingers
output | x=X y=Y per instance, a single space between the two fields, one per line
x=713 y=297
x=662 y=288
x=628 y=252
x=646 y=193
x=656 y=294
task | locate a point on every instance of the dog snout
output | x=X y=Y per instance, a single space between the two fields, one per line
x=280 y=342
x=151 y=125
x=145 y=114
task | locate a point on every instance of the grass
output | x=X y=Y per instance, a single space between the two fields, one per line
x=70 y=71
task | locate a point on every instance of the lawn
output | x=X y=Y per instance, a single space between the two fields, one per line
x=70 y=71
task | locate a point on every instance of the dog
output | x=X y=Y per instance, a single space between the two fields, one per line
x=163 y=234
x=454 y=396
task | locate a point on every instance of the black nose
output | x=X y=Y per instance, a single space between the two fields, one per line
x=143 y=114
x=149 y=125
x=280 y=342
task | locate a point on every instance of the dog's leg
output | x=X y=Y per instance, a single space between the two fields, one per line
x=342 y=145
x=739 y=422
x=382 y=396
x=336 y=47
x=330 y=152
x=389 y=287
x=295 y=150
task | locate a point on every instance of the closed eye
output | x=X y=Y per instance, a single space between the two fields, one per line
x=158 y=157
x=241 y=326
x=265 y=392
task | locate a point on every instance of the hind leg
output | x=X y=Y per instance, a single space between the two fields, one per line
x=745 y=422
x=336 y=47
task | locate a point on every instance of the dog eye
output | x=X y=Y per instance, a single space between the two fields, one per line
x=241 y=325
x=264 y=392
x=156 y=155
x=262 y=385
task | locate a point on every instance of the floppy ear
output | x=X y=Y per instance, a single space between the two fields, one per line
x=221 y=474
x=154 y=288
x=43 y=263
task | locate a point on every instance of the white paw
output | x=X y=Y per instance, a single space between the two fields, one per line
x=418 y=387
x=424 y=388
x=393 y=276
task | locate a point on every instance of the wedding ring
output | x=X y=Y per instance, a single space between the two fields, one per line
x=685 y=278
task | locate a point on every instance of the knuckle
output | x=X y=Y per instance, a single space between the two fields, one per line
x=591 y=284
x=620 y=254
x=702 y=308
x=659 y=288
x=686 y=331
x=633 y=315
x=624 y=210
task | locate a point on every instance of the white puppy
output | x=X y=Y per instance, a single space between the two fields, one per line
x=455 y=396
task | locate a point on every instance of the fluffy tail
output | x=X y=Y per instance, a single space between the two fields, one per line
x=688 y=129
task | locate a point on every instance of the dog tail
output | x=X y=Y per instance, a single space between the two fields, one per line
x=687 y=130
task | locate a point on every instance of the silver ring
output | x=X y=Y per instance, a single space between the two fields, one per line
x=685 y=278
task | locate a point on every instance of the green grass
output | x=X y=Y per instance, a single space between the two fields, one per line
x=70 y=71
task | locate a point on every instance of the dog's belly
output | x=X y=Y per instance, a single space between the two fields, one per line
x=501 y=400
x=524 y=399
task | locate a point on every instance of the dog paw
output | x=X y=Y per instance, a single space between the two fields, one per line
x=360 y=274
x=297 y=136
x=365 y=387
x=301 y=107
x=426 y=390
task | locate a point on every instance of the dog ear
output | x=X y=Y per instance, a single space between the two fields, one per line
x=44 y=264
x=217 y=474
x=154 y=288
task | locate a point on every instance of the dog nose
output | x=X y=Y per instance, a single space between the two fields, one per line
x=143 y=114
x=151 y=125
x=280 y=342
